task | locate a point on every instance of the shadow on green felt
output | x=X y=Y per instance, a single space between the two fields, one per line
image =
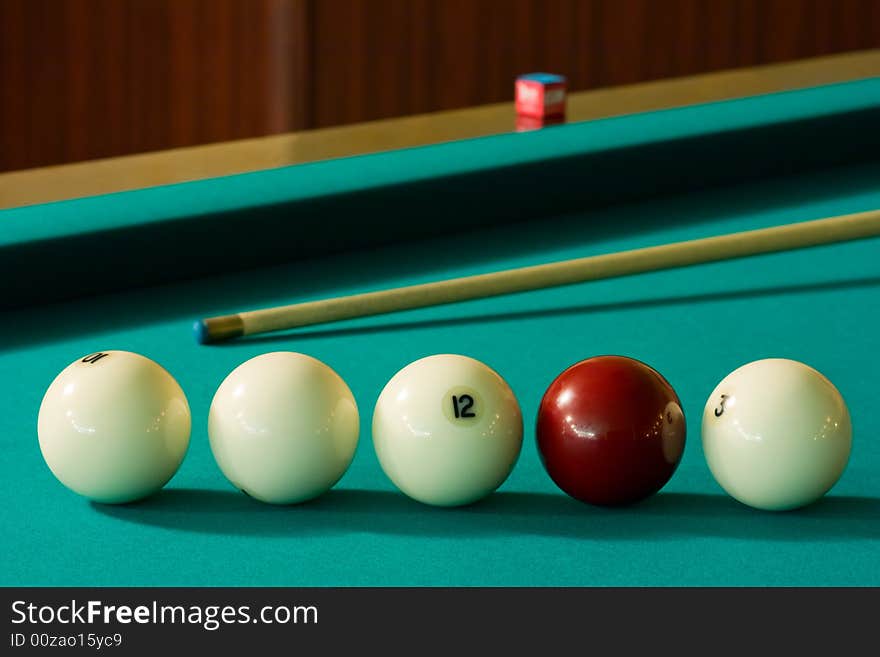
x=666 y=515
x=313 y=278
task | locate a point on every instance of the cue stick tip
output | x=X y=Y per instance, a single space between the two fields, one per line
x=217 y=329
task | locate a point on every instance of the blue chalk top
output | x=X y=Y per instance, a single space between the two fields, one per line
x=543 y=78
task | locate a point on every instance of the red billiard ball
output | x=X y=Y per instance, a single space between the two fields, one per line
x=610 y=431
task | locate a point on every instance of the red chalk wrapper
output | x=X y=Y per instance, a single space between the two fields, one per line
x=540 y=95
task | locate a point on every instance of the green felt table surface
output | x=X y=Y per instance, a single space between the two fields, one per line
x=820 y=305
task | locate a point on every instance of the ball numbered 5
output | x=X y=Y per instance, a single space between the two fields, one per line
x=114 y=426
x=447 y=430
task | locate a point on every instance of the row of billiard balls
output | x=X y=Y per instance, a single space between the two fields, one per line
x=114 y=426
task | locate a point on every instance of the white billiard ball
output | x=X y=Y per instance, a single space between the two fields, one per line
x=283 y=427
x=114 y=426
x=776 y=434
x=447 y=430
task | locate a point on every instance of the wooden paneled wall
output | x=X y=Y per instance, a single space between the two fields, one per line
x=82 y=79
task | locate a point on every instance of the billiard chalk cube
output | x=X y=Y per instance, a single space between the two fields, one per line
x=540 y=95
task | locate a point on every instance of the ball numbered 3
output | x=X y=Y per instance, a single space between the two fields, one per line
x=447 y=430
x=776 y=434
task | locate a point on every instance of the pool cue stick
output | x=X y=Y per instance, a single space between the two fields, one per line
x=679 y=254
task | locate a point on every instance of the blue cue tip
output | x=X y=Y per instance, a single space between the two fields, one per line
x=200 y=330
x=217 y=329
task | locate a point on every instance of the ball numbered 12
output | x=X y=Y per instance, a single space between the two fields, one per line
x=776 y=434
x=447 y=430
x=114 y=426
